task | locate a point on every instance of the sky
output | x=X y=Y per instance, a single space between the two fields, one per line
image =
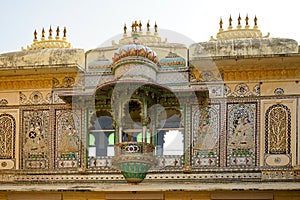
x=91 y=23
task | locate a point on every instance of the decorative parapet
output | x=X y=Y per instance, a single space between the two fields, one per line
x=49 y=43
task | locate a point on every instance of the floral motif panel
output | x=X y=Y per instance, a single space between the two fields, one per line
x=68 y=126
x=241 y=134
x=36 y=139
x=7 y=136
x=206 y=131
x=278 y=130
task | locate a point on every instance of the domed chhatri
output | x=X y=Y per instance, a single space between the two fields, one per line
x=134 y=50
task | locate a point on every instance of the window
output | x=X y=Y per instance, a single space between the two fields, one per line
x=169 y=138
x=102 y=135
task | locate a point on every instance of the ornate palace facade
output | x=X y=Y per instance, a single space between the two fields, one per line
x=145 y=118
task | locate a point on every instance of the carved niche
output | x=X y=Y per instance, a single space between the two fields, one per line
x=278 y=130
x=206 y=129
x=68 y=126
x=36 y=139
x=241 y=134
x=7 y=136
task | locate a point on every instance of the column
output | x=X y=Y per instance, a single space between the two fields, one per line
x=144 y=121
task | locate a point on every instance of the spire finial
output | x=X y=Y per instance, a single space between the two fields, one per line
x=230 y=23
x=52 y=41
x=50 y=33
x=255 y=22
x=148 y=26
x=57 y=33
x=221 y=23
x=239 y=21
x=140 y=26
x=247 y=22
x=65 y=33
x=35 y=35
x=43 y=34
x=125 y=28
x=132 y=27
x=155 y=27
x=136 y=25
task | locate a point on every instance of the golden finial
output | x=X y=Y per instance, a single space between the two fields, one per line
x=221 y=23
x=43 y=34
x=247 y=19
x=57 y=33
x=132 y=27
x=35 y=35
x=230 y=23
x=50 y=42
x=148 y=26
x=239 y=21
x=255 y=21
x=135 y=25
x=65 y=33
x=140 y=25
x=125 y=28
x=155 y=27
x=50 y=33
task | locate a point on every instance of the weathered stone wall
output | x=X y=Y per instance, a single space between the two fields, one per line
x=246 y=46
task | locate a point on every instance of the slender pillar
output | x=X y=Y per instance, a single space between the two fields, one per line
x=144 y=121
x=120 y=126
x=186 y=136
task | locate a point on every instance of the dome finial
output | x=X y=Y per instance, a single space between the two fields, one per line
x=65 y=33
x=135 y=25
x=239 y=21
x=49 y=42
x=247 y=22
x=132 y=27
x=140 y=26
x=221 y=24
x=57 y=33
x=34 y=35
x=230 y=23
x=255 y=22
x=148 y=26
x=155 y=27
x=125 y=28
x=50 y=33
x=43 y=34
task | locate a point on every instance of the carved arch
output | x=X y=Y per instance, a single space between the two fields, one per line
x=7 y=136
x=278 y=130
